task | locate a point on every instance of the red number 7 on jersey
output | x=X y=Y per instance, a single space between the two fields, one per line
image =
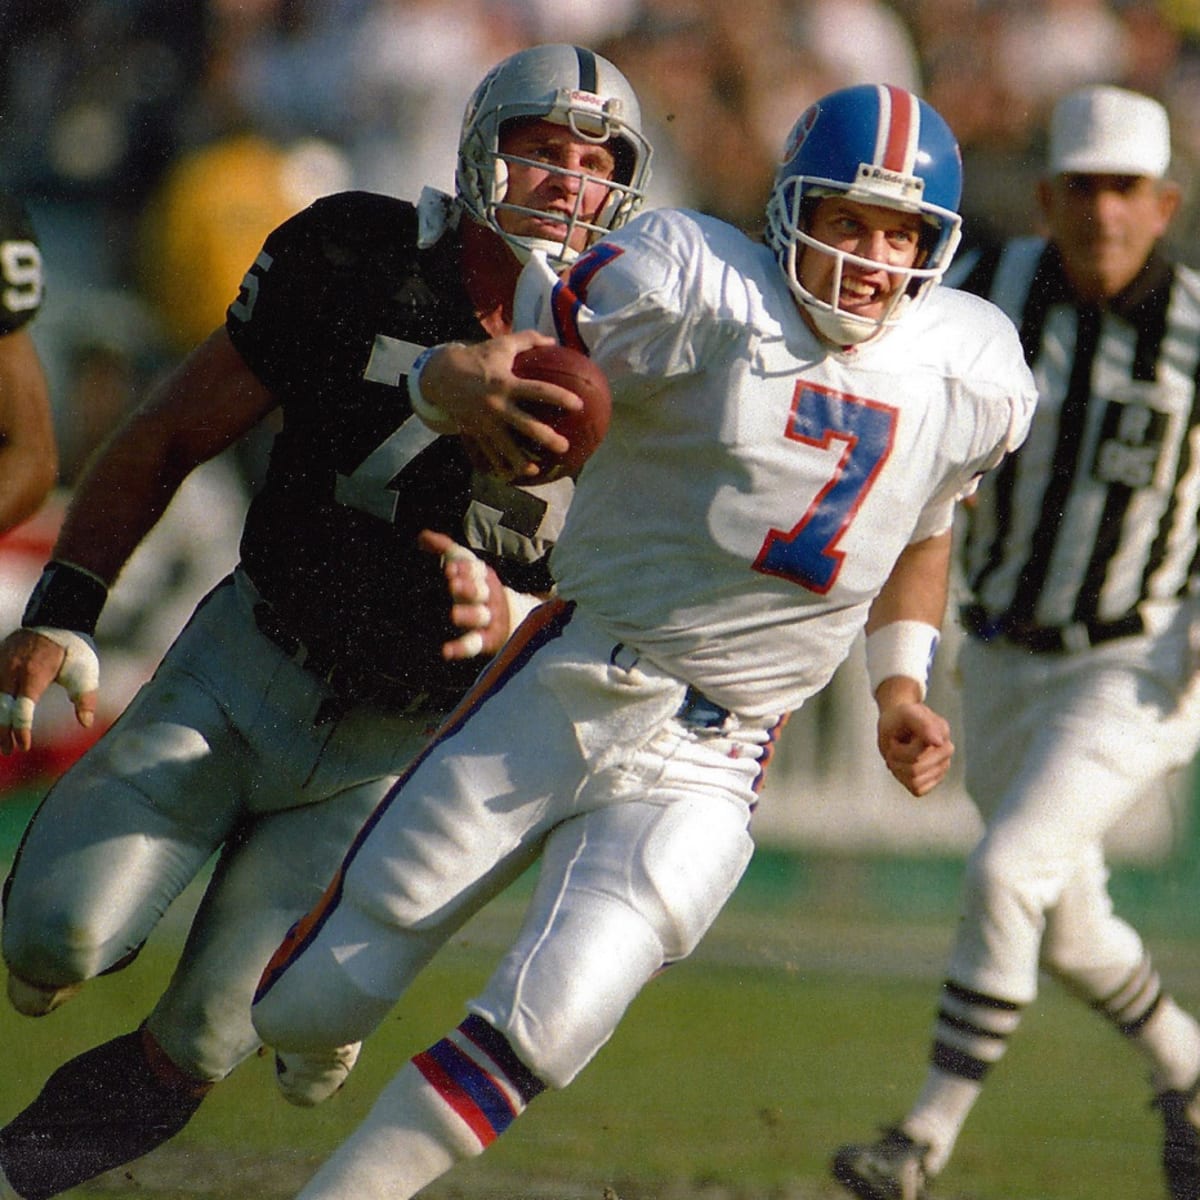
x=808 y=553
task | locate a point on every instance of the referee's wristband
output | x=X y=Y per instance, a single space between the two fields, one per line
x=66 y=597
x=901 y=648
x=435 y=418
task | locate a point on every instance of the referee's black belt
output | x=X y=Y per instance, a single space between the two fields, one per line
x=353 y=686
x=1044 y=639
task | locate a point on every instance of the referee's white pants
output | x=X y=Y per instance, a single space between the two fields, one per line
x=560 y=752
x=1058 y=748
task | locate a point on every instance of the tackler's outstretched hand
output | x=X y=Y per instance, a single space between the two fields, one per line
x=478 y=603
x=30 y=661
x=915 y=744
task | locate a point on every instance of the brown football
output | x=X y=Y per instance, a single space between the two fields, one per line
x=584 y=429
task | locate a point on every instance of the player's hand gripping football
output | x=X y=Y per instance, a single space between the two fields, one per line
x=914 y=742
x=475 y=386
x=478 y=603
x=29 y=664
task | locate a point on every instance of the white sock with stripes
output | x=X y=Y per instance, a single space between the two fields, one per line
x=1170 y=1040
x=410 y=1138
x=449 y=1103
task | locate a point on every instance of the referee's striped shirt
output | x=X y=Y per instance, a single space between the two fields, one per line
x=1097 y=512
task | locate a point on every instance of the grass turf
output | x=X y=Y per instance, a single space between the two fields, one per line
x=734 y=1075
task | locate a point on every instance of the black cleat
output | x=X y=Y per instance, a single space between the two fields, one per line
x=1181 y=1142
x=892 y=1168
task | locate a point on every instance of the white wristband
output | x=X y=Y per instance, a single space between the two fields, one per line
x=435 y=418
x=901 y=648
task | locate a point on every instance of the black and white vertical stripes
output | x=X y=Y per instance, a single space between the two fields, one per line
x=1095 y=514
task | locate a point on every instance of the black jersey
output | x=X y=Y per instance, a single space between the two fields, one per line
x=20 y=266
x=331 y=316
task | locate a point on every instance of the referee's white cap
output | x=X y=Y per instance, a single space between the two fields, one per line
x=1105 y=130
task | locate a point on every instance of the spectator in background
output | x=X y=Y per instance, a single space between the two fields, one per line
x=210 y=216
x=1053 y=46
x=413 y=63
x=91 y=93
x=715 y=80
x=859 y=41
x=582 y=21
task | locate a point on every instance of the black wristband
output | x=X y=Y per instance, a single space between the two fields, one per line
x=66 y=597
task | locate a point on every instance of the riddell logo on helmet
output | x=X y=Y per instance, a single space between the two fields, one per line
x=904 y=187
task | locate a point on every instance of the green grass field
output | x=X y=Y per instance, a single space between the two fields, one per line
x=801 y=1023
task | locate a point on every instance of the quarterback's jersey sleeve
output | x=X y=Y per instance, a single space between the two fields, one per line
x=21 y=282
x=647 y=300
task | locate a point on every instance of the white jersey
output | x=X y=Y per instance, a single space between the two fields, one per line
x=756 y=486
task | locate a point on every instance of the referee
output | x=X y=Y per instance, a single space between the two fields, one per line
x=1080 y=554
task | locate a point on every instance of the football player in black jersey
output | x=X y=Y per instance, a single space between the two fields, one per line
x=28 y=455
x=376 y=568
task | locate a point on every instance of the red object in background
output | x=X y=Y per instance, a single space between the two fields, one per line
x=23 y=552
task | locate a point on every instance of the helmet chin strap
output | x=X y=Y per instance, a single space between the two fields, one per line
x=559 y=253
x=843 y=329
x=830 y=320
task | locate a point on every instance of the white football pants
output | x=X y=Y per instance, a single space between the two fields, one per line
x=570 y=750
x=1058 y=748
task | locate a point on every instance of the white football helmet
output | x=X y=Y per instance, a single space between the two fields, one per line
x=569 y=86
x=876 y=144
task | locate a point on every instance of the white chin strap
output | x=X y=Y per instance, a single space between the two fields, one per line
x=842 y=328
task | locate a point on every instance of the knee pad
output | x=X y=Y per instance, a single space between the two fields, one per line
x=1001 y=876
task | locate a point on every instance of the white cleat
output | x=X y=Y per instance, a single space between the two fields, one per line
x=308 y=1079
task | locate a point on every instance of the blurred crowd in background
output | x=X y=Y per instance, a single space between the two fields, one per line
x=156 y=142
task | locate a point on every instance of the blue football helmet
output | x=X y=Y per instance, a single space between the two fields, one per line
x=876 y=144
x=567 y=85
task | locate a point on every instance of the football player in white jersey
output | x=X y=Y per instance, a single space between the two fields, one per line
x=792 y=426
